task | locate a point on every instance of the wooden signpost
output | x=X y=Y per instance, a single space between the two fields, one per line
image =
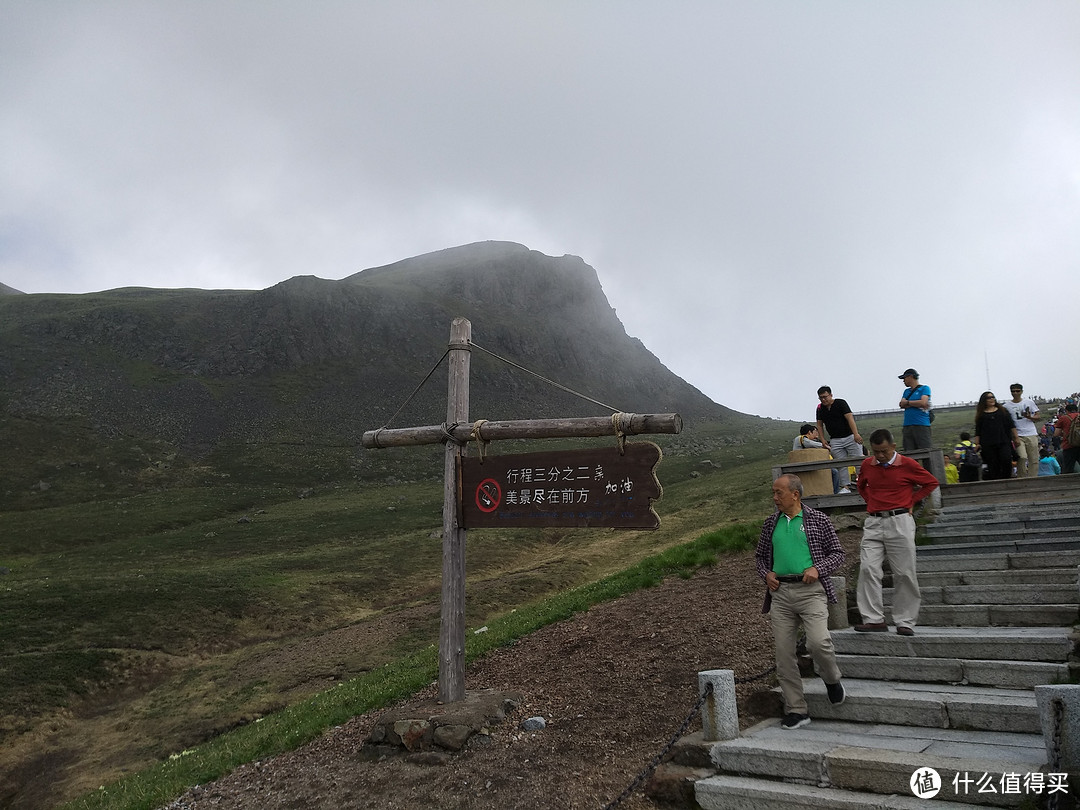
x=620 y=486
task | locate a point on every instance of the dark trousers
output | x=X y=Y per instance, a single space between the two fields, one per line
x=969 y=472
x=1069 y=459
x=917 y=437
x=998 y=458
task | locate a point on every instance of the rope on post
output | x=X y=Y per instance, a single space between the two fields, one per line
x=620 y=436
x=478 y=437
x=448 y=434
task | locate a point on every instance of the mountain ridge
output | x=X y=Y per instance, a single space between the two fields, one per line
x=317 y=362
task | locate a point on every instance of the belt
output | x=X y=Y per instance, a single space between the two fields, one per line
x=889 y=513
x=791 y=580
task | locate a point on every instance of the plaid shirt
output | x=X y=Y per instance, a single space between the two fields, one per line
x=825 y=550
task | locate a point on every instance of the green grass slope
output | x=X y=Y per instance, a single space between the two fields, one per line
x=168 y=613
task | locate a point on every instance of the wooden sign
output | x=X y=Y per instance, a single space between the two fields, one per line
x=600 y=488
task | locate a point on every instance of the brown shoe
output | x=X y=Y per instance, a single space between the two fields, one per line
x=904 y=631
x=871 y=627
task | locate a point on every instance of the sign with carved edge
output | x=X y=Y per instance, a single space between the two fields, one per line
x=599 y=488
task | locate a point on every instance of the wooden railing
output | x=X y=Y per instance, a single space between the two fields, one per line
x=933 y=459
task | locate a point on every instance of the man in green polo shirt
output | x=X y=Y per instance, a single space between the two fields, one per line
x=796 y=555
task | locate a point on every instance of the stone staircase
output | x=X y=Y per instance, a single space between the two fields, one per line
x=1000 y=600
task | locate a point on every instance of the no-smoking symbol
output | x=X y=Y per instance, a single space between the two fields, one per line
x=488 y=495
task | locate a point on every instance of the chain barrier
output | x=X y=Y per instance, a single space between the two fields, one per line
x=641 y=777
x=1058 y=706
x=758 y=677
x=655 y=761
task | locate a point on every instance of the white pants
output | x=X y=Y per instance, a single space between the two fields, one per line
x=891 y=538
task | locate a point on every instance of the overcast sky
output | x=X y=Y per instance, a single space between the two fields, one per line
x=775 y=195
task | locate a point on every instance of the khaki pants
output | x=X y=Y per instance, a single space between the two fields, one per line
x=1028 y=450
x=891 y=538
x=791 y=603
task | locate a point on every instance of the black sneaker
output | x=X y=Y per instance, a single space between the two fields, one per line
x=837 y=695
x=794 y=720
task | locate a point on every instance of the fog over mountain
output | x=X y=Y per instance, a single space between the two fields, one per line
x=313 y=362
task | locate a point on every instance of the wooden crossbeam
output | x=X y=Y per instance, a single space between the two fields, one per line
x=629 y=424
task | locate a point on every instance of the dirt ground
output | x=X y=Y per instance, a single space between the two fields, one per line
x=613 y=684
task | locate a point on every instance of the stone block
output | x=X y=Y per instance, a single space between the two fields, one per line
x=889 y=668
x=1061 y=730
x=720 y=713
x=452 y=737
x=414 y=735
x=1021 y=675
x=798 y=760
x=692 y=751
x=674 y=784
x=874 y=771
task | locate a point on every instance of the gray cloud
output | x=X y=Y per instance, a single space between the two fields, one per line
x=775 y=195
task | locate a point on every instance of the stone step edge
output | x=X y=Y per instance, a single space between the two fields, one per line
x=1052 y=648
x=762 y=794
x=992 y=577
x=1019 y=616
x=1027 y=594
x=1009 y=504
x=998 y=547
x=953 y=671
x=968 y=560
x=806 y=751
x=881 y=760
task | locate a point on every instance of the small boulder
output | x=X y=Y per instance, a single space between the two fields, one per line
x=415 y=735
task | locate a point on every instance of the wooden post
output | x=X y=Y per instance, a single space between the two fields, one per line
x=452 y=619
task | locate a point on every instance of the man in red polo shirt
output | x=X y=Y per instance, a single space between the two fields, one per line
x=891 y=485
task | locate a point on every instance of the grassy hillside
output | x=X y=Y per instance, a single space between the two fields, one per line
x=140 y=626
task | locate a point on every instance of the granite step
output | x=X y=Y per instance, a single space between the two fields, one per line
x=931 y=558
x=867 y=760
x=1009 y=576
x=729 y=792
x=979 y=545
x=1044 y=593
x=1052 y=644
x=927 y=705
x=962 y=512
x=973 y=672
x=991 y=527
x=1004 y=616
x=1047 y=489
x=1021 y=513
x=987 y=533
